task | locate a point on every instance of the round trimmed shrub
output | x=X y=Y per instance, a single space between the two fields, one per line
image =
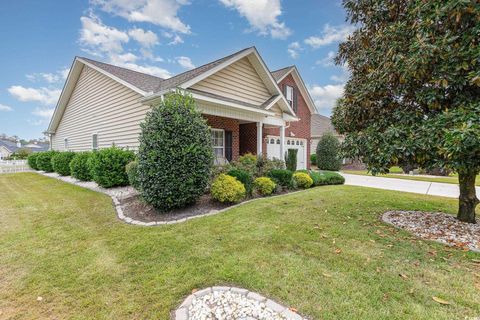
x=281 y=176
x=44 y=160
x=61 y=162
x=32 y=160
x=175 y=157
x=326 y=178
x=79 y=168
x=132 y=173
x=328 y=153
x=227 y=189
x=302 y=180
x=107 y=166
x=244 y=177
x=264 y=186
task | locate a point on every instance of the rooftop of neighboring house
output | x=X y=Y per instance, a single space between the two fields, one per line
x=321 y=125
x=14 y=146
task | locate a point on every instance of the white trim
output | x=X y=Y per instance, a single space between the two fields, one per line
x=126 y=84
x=230 y=104
x=273 y=102
x=223 y=131
x=259 y=138
x=285 y=75
x=302 y=87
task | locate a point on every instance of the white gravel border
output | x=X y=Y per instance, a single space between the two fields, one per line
x=436 y=226
x=197 y=304
x=127 y=192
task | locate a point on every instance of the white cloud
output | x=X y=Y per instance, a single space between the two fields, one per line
x=294 y=49
x=148 y=54
x=328 y=61
x=96 y=36
x=145 y=38
x=176 y=40
x=325 y=96
x=163 y=13
x=5 y=108
x=42 y=95
x=330 y=35
x=185 y=62
x=45 y=113
x=49 y=77
x=262 y=15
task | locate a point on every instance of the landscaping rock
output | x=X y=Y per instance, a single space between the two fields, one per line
x=436 y=226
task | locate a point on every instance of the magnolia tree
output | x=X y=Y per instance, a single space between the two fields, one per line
x=414 y=91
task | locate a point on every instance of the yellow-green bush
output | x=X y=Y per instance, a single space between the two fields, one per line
x=264 y=186
x=302 y=180
x=227 y=189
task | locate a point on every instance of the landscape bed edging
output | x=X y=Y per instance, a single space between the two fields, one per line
x=119 y=209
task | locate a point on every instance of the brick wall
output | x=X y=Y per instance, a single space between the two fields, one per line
x=301 y=129
x=227 y=124
x=248 y=138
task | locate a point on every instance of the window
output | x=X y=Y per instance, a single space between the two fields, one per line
x=218 y=142
x=94 y=141
x=289 y=95
x=272 y=141
x=65 y=143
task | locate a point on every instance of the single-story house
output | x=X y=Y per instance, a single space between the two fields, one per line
x=248 y=108
x=320 y=126
x=7 y=148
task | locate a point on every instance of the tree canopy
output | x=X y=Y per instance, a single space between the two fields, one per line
x=414 y=90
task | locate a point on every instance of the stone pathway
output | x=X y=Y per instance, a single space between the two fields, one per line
x=229 y=303
x=437 y=226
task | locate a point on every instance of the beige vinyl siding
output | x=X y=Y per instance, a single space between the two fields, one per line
x=103 y=106
x=238 y=81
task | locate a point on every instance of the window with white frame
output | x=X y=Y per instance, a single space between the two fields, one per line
x=94 y=141
x=218 y=142
x=289 y=95
x=65 y=144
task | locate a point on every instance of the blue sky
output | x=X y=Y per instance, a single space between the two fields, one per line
x=163 y=37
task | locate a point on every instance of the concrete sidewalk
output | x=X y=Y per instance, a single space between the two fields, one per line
x=422 y=187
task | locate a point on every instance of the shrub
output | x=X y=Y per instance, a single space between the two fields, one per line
x=282 y=177
x=107 y=166
x=32 y=160
x=244 y=177
x=132 y=173
x=247 y=162
x=264 y=186
x=175 y=157
x=227 y=189
x=265 y=165
x=21 y=154
x=328 y=153
x=79 y=166
x=313 y=159
x=326 y=178
x=44 y=160
x=291 y=160
x=61 y=162
x=302 y=180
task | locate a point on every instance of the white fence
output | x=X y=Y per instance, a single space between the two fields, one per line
x=12 y=166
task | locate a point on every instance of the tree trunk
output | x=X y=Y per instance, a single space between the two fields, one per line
x=468 y=198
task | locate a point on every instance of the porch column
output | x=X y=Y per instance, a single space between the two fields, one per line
x=259 y=138
x=282 y=143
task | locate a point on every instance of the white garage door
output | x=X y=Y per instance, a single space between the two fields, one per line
x=273 y=149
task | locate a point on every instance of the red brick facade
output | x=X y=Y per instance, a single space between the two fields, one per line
x=301 y=128
x=227 y=124
x=245 y=135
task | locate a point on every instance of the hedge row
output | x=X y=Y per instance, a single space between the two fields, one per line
x=106 y=167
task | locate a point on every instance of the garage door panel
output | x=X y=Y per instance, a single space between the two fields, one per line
x=273 y=149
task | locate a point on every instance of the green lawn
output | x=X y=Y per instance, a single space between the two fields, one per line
x=450 y=179
x=322 y=251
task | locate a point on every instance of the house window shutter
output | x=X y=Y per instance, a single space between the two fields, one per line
x=229 y=145
x=295 y=99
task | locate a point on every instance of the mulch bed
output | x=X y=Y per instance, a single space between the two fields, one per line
x=136 y=209
x=437 y=226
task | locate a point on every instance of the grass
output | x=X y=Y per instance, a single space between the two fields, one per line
x=397 y=175
x=323 y=251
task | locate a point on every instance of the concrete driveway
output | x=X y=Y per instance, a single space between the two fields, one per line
x=422 y=187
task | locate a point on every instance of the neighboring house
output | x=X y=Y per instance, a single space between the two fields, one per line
x=320 y=126
x=248 y=108
x=7 y=148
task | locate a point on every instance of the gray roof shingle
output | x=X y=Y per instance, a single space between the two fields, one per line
x=278 y=74
x=143 y=81
x=321 y=125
